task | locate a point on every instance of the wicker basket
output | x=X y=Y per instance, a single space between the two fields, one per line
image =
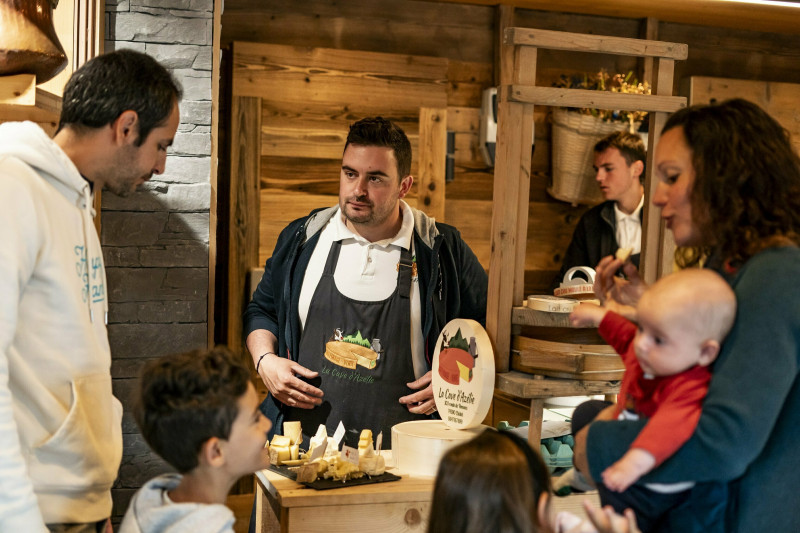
x=574 y=137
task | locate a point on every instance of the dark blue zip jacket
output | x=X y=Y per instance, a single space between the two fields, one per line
x=452 y=284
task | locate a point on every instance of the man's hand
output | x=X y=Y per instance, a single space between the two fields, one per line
x=420 y=402
x=634 y=464
x=280 y=376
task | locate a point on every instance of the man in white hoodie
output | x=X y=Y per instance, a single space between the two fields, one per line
x=60 y=433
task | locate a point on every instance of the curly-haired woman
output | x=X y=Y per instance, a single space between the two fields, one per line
x=729 y=190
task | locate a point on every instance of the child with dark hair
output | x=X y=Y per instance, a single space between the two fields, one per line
x=496 y=482
x=199 y=411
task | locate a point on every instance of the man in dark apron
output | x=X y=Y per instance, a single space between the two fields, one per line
x=343 y=324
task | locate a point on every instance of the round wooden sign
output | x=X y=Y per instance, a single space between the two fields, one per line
x=463 y=374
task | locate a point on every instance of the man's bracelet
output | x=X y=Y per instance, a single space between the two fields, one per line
x=262 y=357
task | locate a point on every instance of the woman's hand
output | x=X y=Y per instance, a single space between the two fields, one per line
x=615 y=293
x=608 y=521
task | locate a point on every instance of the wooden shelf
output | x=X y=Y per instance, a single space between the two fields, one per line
x=599 y=44
x=539 y=387
x=20 y=99
x=557 y=97
x=573 y=368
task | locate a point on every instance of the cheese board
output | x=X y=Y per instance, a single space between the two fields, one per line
x=325 y=484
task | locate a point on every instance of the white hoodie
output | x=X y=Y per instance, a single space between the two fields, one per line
x=60 y=431
x=151 y=511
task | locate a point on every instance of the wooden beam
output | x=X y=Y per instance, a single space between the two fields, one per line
x=244 y=209
x=599 y=44
x=558 y=97
x=504 y=55
x=658 y=244
x=432 y=161
x=509 y=225
x=650 y=32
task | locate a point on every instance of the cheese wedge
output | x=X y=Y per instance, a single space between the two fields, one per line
x=364 y=440
x=294 y=431
x=280 y=441
x=624 y=253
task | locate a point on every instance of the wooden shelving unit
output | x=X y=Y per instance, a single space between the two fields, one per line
x=517 y=96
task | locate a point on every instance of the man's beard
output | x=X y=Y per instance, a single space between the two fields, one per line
x=361 y=218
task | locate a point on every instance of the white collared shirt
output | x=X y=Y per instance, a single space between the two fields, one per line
x=367 y=272
x=629 y=228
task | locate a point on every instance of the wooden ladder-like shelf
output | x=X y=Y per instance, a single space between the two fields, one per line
x=517 y=95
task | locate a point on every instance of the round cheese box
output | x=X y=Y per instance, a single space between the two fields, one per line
x=462 y=379
x=418 y=446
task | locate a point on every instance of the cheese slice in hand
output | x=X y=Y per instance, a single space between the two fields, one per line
x=624 y=253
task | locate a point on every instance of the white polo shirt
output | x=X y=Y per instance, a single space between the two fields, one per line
x=629 y=228
x=367 y=272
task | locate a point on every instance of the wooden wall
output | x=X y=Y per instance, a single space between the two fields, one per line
x=465 y=36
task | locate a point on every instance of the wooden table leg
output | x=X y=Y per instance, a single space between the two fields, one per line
x=535 y=422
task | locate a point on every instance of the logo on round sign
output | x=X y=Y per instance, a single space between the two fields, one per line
x=463 y=374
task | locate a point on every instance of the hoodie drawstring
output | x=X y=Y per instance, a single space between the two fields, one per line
x=88 y=225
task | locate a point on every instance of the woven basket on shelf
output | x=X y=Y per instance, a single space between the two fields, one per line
x=574 y=137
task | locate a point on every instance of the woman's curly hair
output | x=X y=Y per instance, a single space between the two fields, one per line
x=746 y=195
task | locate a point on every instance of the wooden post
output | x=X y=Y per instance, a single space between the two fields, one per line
x=504 y=55
x=245 y=170
x=432 y=161
x=510 y=197
x=658 y=245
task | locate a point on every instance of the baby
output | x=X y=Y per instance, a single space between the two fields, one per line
x=682 y=321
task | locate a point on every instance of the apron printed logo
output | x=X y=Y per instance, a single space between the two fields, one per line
x=349 y=351
x=457 y=358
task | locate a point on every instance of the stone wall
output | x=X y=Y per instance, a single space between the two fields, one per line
x=155 y=241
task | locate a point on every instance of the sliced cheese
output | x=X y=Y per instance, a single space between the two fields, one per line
x=294 y=431
x=364 y=440
x=280 y=441
x=307 y=473
x=624 y=253
x=279 y=454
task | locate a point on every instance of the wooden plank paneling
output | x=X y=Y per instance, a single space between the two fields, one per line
x=373 y=82
x=431 y=155
x=457 y=31
x=780 y=100
x=278 y=209
x=310 y=97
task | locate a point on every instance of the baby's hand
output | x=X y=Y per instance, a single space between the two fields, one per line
x=587 y=315
x=633 y=465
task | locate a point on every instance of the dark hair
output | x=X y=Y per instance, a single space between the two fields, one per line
x=377 y=131
x=746 y=193
x=187 y=398
x=109 y=84
x=630 y=146
x=490 y=483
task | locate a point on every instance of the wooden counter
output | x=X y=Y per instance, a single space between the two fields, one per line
x=285 y=506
